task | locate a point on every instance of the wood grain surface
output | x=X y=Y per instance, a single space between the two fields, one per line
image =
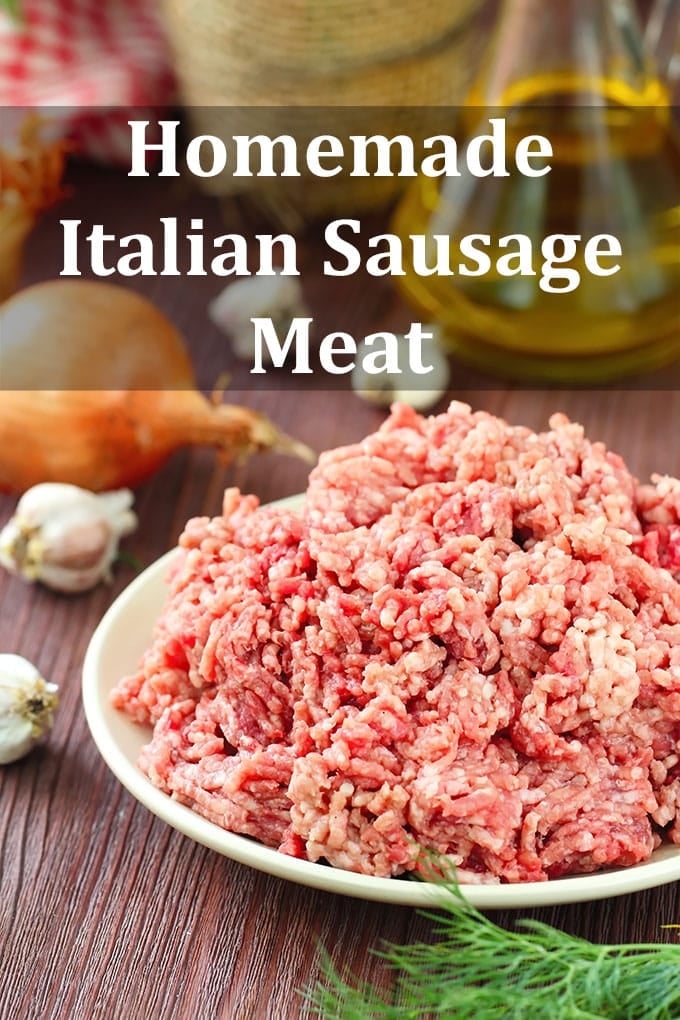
x=105 y=911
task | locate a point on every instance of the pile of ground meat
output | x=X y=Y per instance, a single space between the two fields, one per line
x=467 y=640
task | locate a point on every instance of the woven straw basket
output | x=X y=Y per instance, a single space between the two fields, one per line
x=295 y=59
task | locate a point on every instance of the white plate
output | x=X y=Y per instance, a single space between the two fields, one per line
x=115 y=648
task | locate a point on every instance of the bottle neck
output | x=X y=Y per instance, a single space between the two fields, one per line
x=585 y=51
x=662 y=36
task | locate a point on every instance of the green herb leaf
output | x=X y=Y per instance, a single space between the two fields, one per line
x=129 y=559
x=12 y=8
x=480 y=971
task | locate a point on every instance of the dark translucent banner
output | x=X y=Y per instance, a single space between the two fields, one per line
x=388 y=251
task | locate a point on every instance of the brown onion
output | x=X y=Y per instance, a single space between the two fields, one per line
x=124 y=395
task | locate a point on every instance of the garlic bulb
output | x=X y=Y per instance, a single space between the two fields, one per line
x=26 y=706
x=276 y=297
x=419 y=391
x=64 y=536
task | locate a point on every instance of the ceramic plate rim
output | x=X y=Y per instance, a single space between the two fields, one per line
x=136 y=607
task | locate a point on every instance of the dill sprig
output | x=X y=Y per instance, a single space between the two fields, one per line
x=11 y=6
x=477 y=970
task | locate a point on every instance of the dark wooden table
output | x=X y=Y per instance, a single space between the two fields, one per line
x=107 y=912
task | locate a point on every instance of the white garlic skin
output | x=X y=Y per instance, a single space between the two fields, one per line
x=66 y=537
x=420 y=392
x=277 y=297
x=27 y=704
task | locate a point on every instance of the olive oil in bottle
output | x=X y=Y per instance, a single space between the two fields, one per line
x=575 y=73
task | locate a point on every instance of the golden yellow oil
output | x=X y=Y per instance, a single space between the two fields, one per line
x=615 y=170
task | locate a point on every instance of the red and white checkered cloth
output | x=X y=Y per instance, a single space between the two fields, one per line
x=73 y=55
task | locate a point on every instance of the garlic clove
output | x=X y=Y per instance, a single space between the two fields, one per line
x=75 y=543
x=27 y=704
x=277 y=297
x=421 y=392
x=64 y=536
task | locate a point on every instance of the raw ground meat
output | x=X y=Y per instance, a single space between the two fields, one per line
x=467 y=640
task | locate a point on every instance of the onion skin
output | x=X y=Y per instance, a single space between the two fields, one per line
x=123 y=397
x=118 y=438
x=86 y=335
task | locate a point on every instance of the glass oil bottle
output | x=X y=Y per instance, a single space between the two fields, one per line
x=576 y=72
